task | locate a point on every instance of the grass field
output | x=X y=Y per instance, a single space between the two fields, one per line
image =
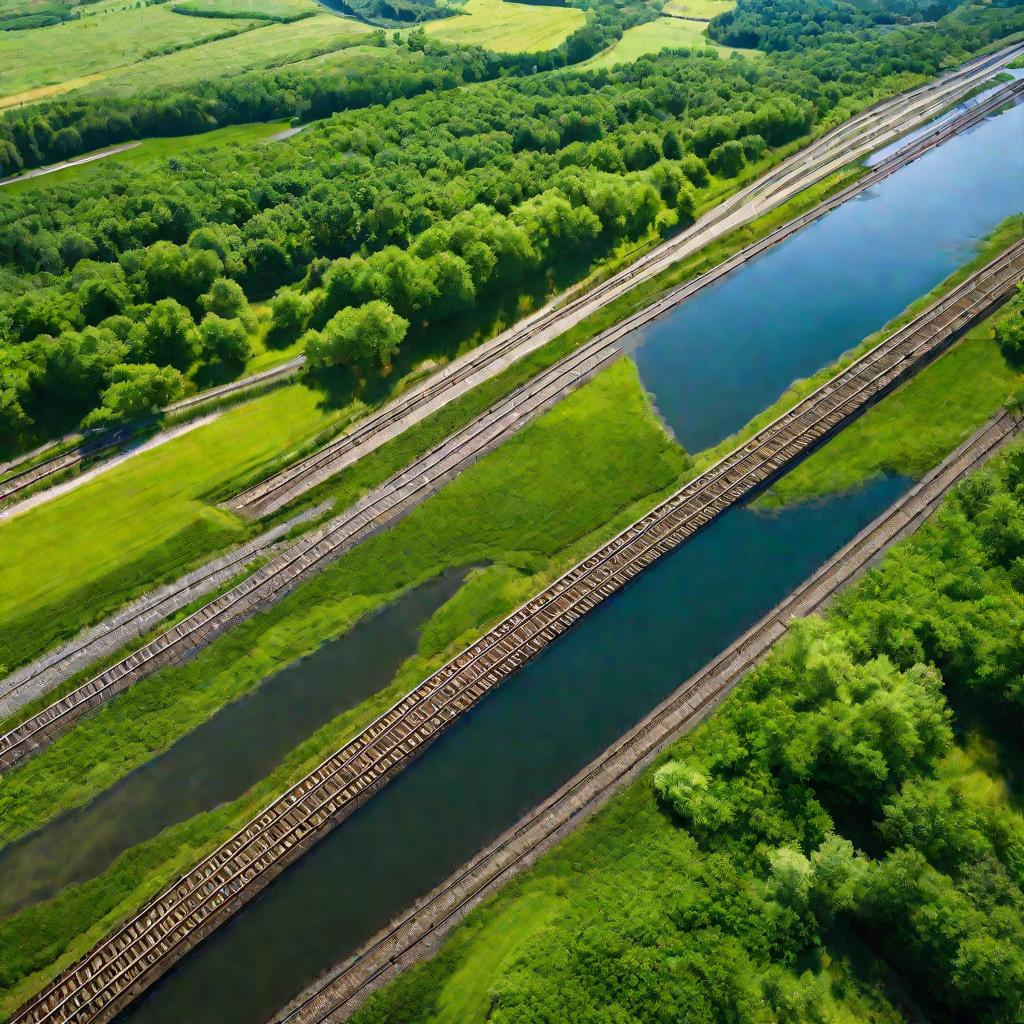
x=153 y=149
x=508 y=27
x=653 y=37
x=141 y=521
x=97 y=44
x=529 y=509
x=247 y=8
x=268 y=46
x=702 y=9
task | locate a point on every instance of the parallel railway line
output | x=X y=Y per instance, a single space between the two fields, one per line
x=407 y=487
x=844 y=143
x=137 y=953
x=816 y=161
x=417 y=933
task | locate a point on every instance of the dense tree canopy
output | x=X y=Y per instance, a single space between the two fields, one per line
x=425 y=203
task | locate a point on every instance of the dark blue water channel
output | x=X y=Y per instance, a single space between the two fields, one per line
x=218 y=761
x=779 y=320
x=716 y=361
x=513 y=750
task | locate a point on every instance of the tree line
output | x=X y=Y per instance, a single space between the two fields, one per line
x=557 y=165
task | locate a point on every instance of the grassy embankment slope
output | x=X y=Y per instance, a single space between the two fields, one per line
x=529 y=510
x=507 y=27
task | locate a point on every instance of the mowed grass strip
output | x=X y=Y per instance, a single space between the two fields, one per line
x=148 y=150
x=508 y=27
x=90 y=45
x=529 y=509
x=141 y=522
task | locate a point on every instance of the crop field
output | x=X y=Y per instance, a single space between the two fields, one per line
x=92 y=45
x=267 y=46
x=246 y=8
x=97 y=552
x=654 y=36
x=704 y=10
x=508 y=27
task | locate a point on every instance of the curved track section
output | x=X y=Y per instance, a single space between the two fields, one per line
x=851 y=140
x=417 y=481
x=135 y=955
x=417 y=933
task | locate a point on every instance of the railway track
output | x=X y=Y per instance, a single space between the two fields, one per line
x=137 y=953
x=405 y=489
x=853 y=138
x=826 y=155
x=417 y=933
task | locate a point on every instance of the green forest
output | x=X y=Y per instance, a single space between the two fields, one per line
x=120 y=291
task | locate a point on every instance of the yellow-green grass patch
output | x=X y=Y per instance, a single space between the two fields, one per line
x=653 y=37
x=268 y=46
x=142 y=521
x=244 y=8
x=508 y=27
x=91 y=45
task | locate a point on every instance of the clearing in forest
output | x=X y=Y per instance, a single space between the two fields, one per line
x=655 y=36
x=508 y=27
x=701 y=10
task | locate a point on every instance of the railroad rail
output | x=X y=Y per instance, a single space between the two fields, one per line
x=853 y=138
x=136 y=954
x=491 y=358
x=417 y=933
x=425 y=475
x=402 y=491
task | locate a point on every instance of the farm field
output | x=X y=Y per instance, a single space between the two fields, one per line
x=654 y=36
x=705 y=10
x=266 y=46
x=247 y=8
x=97 y=44
x=97 y=553
x=508 y=27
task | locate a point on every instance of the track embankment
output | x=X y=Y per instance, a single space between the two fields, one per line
x=417 y=933
x=132 y=957
x=833 y=151
x=397 y=495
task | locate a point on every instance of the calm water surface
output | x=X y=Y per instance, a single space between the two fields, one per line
x=711 y=365
x=518 y=746
x=717 y=360
x=224 y=756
